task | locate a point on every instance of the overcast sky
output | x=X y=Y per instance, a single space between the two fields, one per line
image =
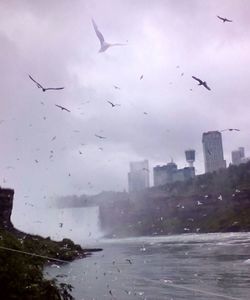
x=54 y=42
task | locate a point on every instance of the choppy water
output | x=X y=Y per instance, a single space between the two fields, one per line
x=204 y=266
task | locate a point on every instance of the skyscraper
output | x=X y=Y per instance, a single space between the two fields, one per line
x=138 y=177
x=238 y=156
x=213 y=151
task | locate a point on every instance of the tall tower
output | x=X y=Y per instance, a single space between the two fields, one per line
x=213 y=151
x=138 y=177
x=190 y=157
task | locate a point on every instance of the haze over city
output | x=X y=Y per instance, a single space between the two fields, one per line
x=48 y=152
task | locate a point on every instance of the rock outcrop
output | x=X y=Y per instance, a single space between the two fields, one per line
x=6 y=204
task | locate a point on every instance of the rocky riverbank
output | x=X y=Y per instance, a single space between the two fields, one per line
x=23 y=257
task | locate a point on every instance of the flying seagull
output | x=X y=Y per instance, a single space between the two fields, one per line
x=141 y=77
x=112 y=104
x=128 y=260
x=224 y=19
x=116 y=87
x=104 y=44
x=230 y=129
x=100 y=137
x=43 y=88
x=62 y=108
x=202 y=83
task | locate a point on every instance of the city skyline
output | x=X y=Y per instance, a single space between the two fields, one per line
x=159 y=115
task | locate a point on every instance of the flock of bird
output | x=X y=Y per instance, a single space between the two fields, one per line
x=104 y=46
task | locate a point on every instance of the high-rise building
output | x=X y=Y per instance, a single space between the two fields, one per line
x=213 y=151
x=138 y=177
x=170 y=173
x=238 y=156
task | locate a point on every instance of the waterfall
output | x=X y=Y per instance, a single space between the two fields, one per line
x=80 y=224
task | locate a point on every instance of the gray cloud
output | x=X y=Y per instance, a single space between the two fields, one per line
x=56 y=44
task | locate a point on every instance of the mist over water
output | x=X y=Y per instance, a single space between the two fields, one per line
x=188 y=266
x=80 y=224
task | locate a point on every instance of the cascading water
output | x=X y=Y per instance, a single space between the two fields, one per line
x=79 y=224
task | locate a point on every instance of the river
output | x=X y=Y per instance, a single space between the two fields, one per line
x=189 y=266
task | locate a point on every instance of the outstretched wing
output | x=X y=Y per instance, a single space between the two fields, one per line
x=197 y=79
x=117 y=44
x=98 y=33
x=206 y=86
x=37 y=83
x=112 y=104
x=226 y=20
x=60 y=88
x=220 y=18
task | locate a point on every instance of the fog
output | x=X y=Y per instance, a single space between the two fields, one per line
x=56 y=44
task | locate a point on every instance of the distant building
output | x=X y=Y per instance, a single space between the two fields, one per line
x=138 y=177
x=190 y=157
x=213 y=151
x=238 y=156
x=170 y=173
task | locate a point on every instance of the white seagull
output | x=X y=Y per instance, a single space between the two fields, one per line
x=104 y=44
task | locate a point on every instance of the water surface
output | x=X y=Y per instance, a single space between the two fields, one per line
x=190 y=266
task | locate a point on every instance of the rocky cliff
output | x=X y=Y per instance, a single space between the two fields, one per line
x=6 y=204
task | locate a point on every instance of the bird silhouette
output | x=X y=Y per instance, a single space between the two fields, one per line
x=224 y=19
x=112 y=104
x=128 y=260
x=141 y=77
x=116 y=87
x=43 y=88
x=62 y=108
x=100 y=137
x=104 y=44
x=202 y=83
x=230 y=129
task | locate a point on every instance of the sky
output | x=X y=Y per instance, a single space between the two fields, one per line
x=54 y=42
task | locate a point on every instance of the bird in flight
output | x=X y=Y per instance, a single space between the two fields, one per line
x=224 y=19
x=100 y=137
x=202 y=83
x=43 y=88
x=62 y=108
x=104 y=44
x=230 y=129
x=141 y=77
x=112 y=104
x=116 y=87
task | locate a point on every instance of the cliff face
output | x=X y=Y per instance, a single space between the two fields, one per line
x=6 y=204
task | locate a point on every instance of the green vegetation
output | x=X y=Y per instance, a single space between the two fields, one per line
x=214 y=202
x=21 y=275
